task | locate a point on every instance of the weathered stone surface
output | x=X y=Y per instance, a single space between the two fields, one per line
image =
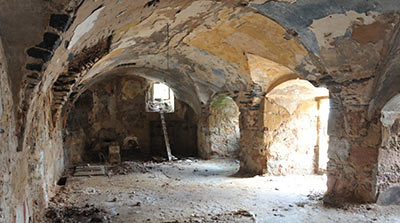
x=388 y=174
x=113 y=110
x=291 y=128
x=224 y=127
x=200 y=49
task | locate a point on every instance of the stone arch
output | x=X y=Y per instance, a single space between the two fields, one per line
x=296 y=35
x=111 y=111
x=180 y=91
x=204 y=69
x=265 y=74
x=357 y=87
x=224 y=131
x=292 y=128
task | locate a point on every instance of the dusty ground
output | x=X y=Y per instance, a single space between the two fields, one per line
x=201 y=191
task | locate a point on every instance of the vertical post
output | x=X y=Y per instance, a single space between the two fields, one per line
x=317 y=169
x=164 y=127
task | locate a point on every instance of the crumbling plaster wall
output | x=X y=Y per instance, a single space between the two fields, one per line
x=224 y=127
x=339 y=45
x=27 y=177
x=389 y=152
x=288 y=126
x=291 y=138
x=203 y=69
x=353 y=49
x=113 y=111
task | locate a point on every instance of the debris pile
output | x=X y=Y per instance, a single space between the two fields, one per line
x=72 y=214
x=241 y=215
x=127 y=167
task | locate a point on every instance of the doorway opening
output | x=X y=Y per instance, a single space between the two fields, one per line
x=224 y=128
x=296 y=116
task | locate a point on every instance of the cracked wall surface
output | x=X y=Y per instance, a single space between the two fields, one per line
x=112 y=112
x=224 y=127
x=199 y=49
x=389 y=151
x=291 y=139
x=291 y=122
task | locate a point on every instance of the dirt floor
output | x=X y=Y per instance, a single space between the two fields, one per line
x=201 y=191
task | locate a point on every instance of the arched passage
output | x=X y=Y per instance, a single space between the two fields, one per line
x=112 y=112
x=199 y=48
x=224 y=127
x=295 y=128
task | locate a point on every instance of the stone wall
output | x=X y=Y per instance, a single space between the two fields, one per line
x=252 y=144
x=8 y=144
x=291 y=138
x=389 y=158
x=224 y=127
x=113 y=111
x=389 y=152
x=352 y=48
x=354 y=141
x=27 y=176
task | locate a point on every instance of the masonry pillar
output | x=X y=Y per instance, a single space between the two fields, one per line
x=203 y=135
x=252 y=146
x=353 y=151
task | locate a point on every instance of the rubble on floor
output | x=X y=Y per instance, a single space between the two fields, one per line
x=241 y=215
x=194 y=191
x=127 y=167
x=74 y=214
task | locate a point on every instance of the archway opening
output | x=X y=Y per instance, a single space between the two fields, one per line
x=295 y=123
x=110 y=123
x=224 y=128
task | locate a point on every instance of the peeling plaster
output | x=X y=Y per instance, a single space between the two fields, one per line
x=194 y=10
x=301 y=14
x=265 y=72
x=291 y=93
x=84 y=27
x=125 y=43
x=334 y=26
x=251 y=33
x=224 y=33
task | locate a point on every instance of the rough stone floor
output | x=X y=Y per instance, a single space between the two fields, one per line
x=201 y=191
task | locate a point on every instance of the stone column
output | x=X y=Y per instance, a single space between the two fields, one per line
x=353 y=151
x=252 y=146
x=203 y=135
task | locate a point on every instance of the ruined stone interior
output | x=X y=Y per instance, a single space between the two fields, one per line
x=282 y=111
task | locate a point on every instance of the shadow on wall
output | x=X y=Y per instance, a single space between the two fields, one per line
x=112 y=112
